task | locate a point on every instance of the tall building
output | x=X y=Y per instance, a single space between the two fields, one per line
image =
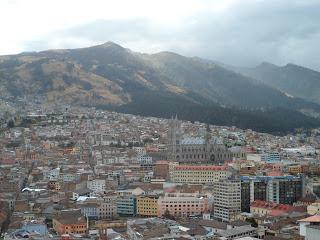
x=174 y=138
x=227 y=199
x=276 y=189
x=196 y=150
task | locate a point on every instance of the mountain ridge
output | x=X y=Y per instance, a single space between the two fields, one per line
x=296 y=80
x=110 y=76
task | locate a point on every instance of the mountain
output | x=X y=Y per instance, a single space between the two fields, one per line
x=295 y=80
x=112 y=77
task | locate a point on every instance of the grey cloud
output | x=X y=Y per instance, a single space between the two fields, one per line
x=249 y=33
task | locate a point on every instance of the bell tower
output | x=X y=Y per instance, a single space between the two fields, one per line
x=174 y=139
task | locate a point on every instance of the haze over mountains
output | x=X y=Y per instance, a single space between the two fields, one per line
x=293 y=79
x=266 y=98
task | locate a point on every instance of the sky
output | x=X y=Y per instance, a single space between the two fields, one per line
x=238 y=32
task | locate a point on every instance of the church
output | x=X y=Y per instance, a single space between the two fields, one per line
x=197 y=150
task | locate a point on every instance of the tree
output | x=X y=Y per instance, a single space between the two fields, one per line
x=10 y=123
x=252 y=221
x=168 y=215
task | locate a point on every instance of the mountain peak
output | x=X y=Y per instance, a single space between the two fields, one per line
x=110 y=44
x=267 y=65
x=292 y=65
x=167 y=54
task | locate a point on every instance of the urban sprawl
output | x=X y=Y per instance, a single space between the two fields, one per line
x=83 y=173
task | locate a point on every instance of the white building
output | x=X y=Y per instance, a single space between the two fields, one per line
x=97 y=185
x=310 y=227
x=51 y=175
x=144 y=159
x=227 y=199
x=140 y=151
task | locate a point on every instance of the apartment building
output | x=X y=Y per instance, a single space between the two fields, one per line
x=278 y=189
x=147 y=206
x=182 y=204
x=198 y=174
x=107 y=208
x=227 y=199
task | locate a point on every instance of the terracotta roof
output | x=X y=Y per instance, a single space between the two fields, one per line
x=201 y=168
x=314 y=218
x=276 y=209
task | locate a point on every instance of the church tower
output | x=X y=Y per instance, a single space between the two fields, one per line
x=208 y=143
x=174 y=139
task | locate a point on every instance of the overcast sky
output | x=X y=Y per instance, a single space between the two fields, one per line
x=239 y=32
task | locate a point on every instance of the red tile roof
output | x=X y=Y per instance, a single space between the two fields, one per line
x=201 y=168
x=314 y=218
x=275 y=209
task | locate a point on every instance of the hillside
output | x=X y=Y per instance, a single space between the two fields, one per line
x=110 y=76
x=295 y=80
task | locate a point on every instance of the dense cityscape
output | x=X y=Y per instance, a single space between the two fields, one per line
x=82 y=173
x=160 y=120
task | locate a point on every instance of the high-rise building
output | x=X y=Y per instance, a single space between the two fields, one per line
x=276 y=189
x=227 y=199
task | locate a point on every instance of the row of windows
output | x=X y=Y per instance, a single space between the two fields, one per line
x=182 y=205
x=76 y=227
x=180 y=202
x=201 y=172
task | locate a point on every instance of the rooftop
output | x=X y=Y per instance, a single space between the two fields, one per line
x=201 y=167
x=312 y=219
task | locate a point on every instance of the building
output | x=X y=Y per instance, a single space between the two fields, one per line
x=314 y=208
x=147 y=206
x=263 y=208
x=196 y=150
x=161 y=169
x=146 y=162
x=272 y=157
x=227 y=199
x=97 y=185
x=278 y=189
x=140 y=151
x=238 y=233
x=89 y=209
x=148 y=228
x=312 y=232
x=295 y=169
x=310 y=227
x=10 y=185
x=84 y=192
x=107 y=208
x=54 y=185
x=144 y=159
x=127 y=206
x=182 y=204
x=69 y=222
x=198 y=174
